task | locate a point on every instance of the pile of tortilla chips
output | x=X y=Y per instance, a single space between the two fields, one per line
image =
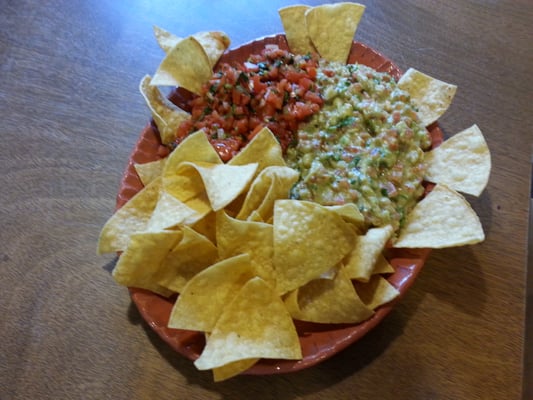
x=244 y=259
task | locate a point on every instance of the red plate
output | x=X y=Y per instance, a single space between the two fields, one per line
x=319 y=341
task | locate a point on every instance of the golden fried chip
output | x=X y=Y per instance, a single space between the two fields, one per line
x=293 y=20
x=431 y=96
x=165 y=39
x=382 y=266
x=442 y=219
x=263 y=149
x=232 y=369
x=194 y=148
x=255 y=324
x=362 y=259
x=222 y=183
x=376 y=292
x=139 y=264
x=186 y=65
x=214 y=43
x=207 y=293
x=170 y=212
x=272 y=183
x=132 y=217
x=167 y=116
x=149 y=171
x=207 y=226
x=328 y=301
x=254 y=238
x=350 y=213
x=192 y=254
x=308 y=241
x=332 y=27
x=462 y=162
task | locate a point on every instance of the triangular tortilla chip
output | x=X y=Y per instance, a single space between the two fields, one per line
x=362 y=259
x=167 y=116
x=253 y=238
x=273 y=183
x=142 y=259
x=255 y=324
x=214 y=43
x=132 y=217
x=205 y=296
x=308 y=240
x=442 y=219
x=431 y=96
x=293 y=20
x=186 y=65
x=332 y=27
x=149 y=171
x=328 y=301
x=263 y=149
x=170 y=212
x=192 y=254
x=376 y=292
x=462 y=162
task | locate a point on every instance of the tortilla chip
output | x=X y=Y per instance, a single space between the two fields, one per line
x=165 y=39
x=328 y=301
x=350 y=213
x=376 y=292
x=223 y=183
x=149 y=171
x=362 y=259
x=382 y=266
x=205 y=296
x=139 y=264
x=308 y=241
x=442 y=219
x=214 y=43
x=332 y=27
x=186 y=65
x=263 y=149
x=232 y=369
x=192 y=254
x=167 y=116
x=253 y=238
x=194 y=148
x=462 y=162
x=170 y=212
x=273 y=183
x=255 y=324
x=431 y=96
x=293 y=20
x=131 y=218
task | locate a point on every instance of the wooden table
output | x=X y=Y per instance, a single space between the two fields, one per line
x=71 y=114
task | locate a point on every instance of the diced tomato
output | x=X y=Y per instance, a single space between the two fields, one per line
x=274 y=89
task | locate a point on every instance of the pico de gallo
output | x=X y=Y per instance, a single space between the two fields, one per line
x=274 y=89
x=353 y=135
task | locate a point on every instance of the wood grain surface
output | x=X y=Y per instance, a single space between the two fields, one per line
x=70 y=115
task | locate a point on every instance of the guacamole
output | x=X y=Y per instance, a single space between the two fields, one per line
x=364 y=146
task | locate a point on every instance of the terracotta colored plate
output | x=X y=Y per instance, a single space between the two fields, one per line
x=319 y=341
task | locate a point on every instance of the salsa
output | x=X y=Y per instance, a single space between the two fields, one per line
x=364 y=146
x=353 y=135
x=274 y=89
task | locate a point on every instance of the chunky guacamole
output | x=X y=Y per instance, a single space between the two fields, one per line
x=365 y=145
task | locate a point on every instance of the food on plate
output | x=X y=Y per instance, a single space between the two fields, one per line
x=186 y=65
x=441 y=219
x=290 y=176
x=255 y=324
x=462 y=162
x=331 y=28
x=430 y=95
x=293 y=20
